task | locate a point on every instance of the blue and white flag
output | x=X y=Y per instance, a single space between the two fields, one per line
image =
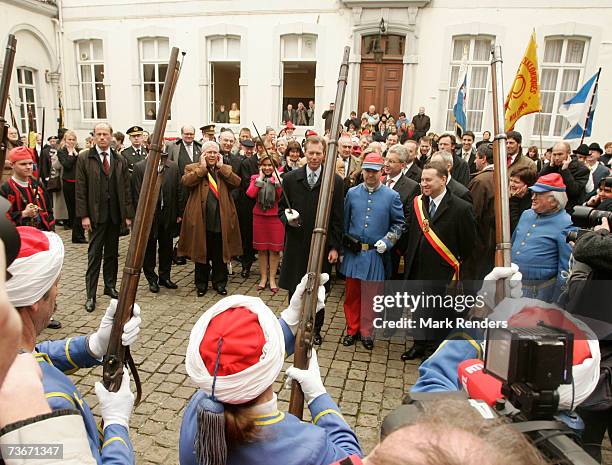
x=576 y=110
x=459 y=107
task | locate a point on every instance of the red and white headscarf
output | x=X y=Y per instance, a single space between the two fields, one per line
x=238 y=346
x=36 y=267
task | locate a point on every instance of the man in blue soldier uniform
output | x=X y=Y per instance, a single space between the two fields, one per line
x=32 y=289
x=373 y=222
x=225 y=358
x=539 y=247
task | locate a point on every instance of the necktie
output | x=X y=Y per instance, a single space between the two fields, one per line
x=509 y=160
x=390 y=182
x=105 y=163
x=432 y=208
x=312 y=179
x=190 y=151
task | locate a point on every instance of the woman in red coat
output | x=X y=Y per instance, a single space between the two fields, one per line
x=268 y=231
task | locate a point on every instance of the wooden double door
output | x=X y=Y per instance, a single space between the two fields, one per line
x=380 y=84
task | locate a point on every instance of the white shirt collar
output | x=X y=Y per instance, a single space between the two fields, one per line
x=20 y=183
x=317 y=172
x=396 y=178
x=438 y=199
x=448 y=180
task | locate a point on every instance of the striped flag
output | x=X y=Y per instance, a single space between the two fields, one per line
x=580 y=109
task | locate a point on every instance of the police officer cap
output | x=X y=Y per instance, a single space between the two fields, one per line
x=208 y=128
x=134 y=131
x=247 y=143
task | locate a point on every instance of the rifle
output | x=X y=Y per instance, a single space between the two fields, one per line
x=303 y=339
x=116 y=354
x=7 y=71
x=503 y=245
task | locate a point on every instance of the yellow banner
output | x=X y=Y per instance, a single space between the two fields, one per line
x=524 y=96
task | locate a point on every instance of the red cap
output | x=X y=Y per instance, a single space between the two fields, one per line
x=310 y=132
x=549 y=182
x=289 y=125
x=243 y=341
x=373 y=161
x=356 y=150
x=21 y=153
x=33 y=241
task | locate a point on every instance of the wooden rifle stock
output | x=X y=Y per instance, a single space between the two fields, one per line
x=117 y=355
x=500 y=173
x=7 y=71
x=303 y=339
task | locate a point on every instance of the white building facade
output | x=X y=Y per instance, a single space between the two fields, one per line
x=106 y=60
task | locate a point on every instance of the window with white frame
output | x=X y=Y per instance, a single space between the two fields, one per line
x=90 y=61
x=473 y=53
x=298 y=55
x=26 y=86
x=224 y=60
x=562 y=72
x=154 y=53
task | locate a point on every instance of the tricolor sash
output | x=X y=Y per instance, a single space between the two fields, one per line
x=212 y=184
x=433 y=238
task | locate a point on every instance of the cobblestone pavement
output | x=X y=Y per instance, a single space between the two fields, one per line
x=367 y=385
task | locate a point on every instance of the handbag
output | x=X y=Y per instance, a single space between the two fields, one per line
x=54 y=184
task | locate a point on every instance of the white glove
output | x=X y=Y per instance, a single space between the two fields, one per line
x=98 y=341
x=381 y=246
x=293 y=217
x=310 y=380
x=291 y=315
x=513 y=283
x=116 y=407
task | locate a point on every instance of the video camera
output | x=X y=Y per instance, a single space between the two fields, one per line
x=586 y=218
x=531 y=363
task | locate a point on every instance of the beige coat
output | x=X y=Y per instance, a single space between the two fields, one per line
x=192 y=241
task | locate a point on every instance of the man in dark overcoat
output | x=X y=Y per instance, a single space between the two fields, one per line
x=104 y=203
x=302 y=187
x=451 y=219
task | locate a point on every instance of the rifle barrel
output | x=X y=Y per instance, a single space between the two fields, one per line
x=117 y=355
x=500 y=173
x=303 y=340
x=5 y=83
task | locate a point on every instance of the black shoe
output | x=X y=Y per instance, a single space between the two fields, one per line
x=246 y=271
x=153 y=287
x=111 y=292
x=202 y=291
x=90 y=305
x=80 y=240
x=350 y=339
x=317 y=339
x=367 y=342
x=54 y=324
x=413 y=353
x=220 y=290
x=180 y=261
x=168 y=284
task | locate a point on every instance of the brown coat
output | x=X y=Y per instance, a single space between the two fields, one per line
x=481 y=262
x=521 y=161
x=192 y=241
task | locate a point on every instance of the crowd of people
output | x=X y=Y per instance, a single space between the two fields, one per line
x=408 y=204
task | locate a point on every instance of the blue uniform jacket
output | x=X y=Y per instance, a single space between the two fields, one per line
x=287 y=440
x=370 y=217
x=58 y=358
x=541 y=252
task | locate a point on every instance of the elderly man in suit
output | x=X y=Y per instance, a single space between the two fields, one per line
x=104 y=203
x=302 y=187
x=412 y=170
x=451 y=183
x=395 y=163
x=168 y=214
x=185 y=150
x=438 y=217
x=348 y=166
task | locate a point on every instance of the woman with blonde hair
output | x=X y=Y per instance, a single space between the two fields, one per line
x=67 y=157
x=234 y=114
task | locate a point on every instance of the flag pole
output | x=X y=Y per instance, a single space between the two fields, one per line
x=586 y=124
